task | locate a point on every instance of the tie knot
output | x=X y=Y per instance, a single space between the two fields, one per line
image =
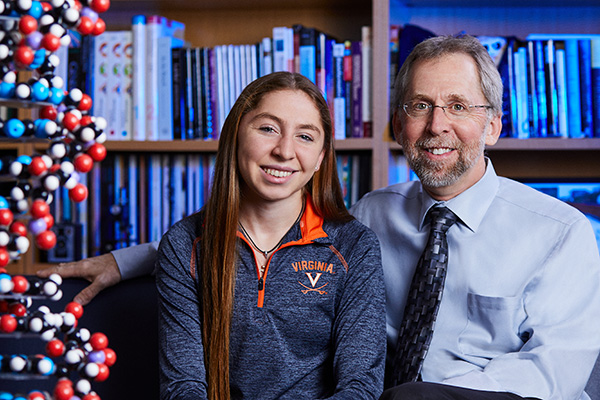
x=442 y=218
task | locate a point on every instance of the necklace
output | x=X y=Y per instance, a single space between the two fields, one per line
x=267 y=252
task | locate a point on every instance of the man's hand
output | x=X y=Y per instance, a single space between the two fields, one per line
x=102 y=271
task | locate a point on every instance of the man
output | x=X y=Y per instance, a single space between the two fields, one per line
x=519 y=309
x=519 y=312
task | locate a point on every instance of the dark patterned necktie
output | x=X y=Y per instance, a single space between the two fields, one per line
x=423 y=300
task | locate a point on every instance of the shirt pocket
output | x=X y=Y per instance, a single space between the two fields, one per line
x=492 y=326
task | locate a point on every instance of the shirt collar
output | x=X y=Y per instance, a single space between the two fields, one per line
x=471 y=205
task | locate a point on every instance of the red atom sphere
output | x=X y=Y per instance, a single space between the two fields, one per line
x=18 y=309
x=85 y=120
x=55 y=348
x=103 y=373
x=50 y=42
x=79 y=193
x=4 y=305
x=64 y=390
x=36 y=396
x=91 y=396
x=99 y=341
x=70 y=121
x=74 y=308
x=24 y=55
x=86 y=26
x=46 y=240
x=4 y=257
x=100 y=6
x=48 y=112
x=8 y=323
x=39 y=208
x=6 y=217
x=85 y=104
x=110 y=357
x=19 y=228
x=97 y=151
x=49 y=219
x=27 y=24
x=46 y=6
x=99 y=27
x=37 y=166
x=83 y=163
x=20 y=284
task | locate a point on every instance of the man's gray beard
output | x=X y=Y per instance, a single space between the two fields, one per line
x=436 y=175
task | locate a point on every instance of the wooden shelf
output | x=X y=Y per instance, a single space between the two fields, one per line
x=536 y=144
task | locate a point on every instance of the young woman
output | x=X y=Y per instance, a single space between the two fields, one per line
x=273 y=290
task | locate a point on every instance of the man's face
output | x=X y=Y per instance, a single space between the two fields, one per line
x=446 y=153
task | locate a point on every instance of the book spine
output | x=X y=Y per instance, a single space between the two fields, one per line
x=532 y=91
x=164 y=114
x=551 y=94
x=521 y=92
x=367 y=76
x=585 y=78
x=197 y=94
x=308 y=53
x=572 y=75
x=177 y=86
x=348 y=72
x=190 y=110
x=279 y=49
x=339 y=98
x=127 y=91
x=357 y=90
x=595 y=65
x=138 y=96
x=133 y=200
x=153 y=32
x=540 y=80
x=561 y=91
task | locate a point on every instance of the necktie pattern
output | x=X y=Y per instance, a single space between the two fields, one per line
x=423 y=300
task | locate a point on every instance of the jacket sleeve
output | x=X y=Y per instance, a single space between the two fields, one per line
x=359 y=328
x=137 y=260
x=181 y=355
x=561 y=328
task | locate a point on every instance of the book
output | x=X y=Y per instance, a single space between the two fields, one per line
x=561 y=91
x=585 y=80
x=540 y=80
x=339 y=98
x=133 y=203
x=551 y=94
x=367 y=72
x=164 y=110
x=308 y=53
x=532 y=91
x=138 y=96
x=595 y=65
x=178 y=91
x=153 y=32
x=357 y=91
x=573 y=87
x=521 y=91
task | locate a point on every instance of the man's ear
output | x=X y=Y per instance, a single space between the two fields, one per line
x=396 y=126
x=494 y=130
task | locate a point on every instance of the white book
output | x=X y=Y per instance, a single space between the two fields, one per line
x=127 y=89
x=153 y=32
x=164 y=112
x=280 y=53
x=233 y=72
x=266 y=61
x=561 y=89
x=138 y=96
x=221 y=86
x=100 y=76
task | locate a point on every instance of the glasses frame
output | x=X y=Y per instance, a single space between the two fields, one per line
x=430 y=108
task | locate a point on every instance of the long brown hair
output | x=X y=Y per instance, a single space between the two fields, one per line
x=218 y=251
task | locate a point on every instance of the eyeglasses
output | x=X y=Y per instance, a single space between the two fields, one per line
x=455 y=110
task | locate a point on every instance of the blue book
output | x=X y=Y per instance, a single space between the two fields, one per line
x=561 y=90
x=540 y=80
x=308 y=53
x=551 y=94
x=585 y=79
x=532 y=91
x=520 y=60
x=339 y=98
x=596 y=85
x=573 y=88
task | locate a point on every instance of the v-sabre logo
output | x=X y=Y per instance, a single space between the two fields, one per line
x=313 y=282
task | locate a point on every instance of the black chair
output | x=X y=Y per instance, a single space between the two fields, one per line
x=127 y=314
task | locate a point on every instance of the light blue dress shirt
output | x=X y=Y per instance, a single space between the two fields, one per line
x=521 y=305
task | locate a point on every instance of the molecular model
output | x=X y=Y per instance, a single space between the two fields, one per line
x=30 y=33
x=74 y=355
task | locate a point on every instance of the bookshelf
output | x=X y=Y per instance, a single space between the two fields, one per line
x=215 y=22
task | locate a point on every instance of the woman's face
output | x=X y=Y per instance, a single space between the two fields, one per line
x=280 y=146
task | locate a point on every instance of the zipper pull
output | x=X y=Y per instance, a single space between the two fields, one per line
x=261 y=284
